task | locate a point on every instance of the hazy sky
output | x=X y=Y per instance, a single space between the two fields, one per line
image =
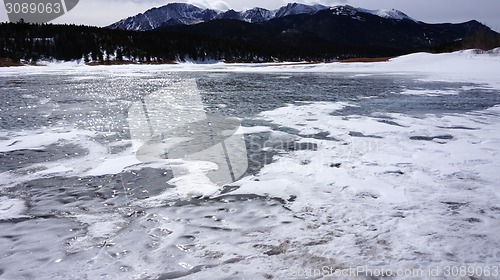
x=105 y=12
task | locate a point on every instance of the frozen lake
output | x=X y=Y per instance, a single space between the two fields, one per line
x=111 y=173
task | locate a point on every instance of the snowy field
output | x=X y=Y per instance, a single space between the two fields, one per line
x=351 y=171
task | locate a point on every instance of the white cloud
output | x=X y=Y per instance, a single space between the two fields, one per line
x=103 y=13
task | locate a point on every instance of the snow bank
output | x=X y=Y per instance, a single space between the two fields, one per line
x=413 y=191
x=463 y=66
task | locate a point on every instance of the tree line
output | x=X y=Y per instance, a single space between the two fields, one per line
x=34 y=42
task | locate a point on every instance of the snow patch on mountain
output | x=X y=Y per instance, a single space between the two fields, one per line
x=257 y=15
x=170 y=14
x=347 y=10
x=297 y=9
x=390 y=14
x=344 y=10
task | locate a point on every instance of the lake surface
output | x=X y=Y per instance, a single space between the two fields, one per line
x=100 y=101
x=78 y=201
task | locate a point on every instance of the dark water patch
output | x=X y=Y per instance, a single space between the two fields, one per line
x=28 y=218
x=16 y=159
x=15 y=82
x=59 y=195
x=359 y=134
x=431 y=138
x=285 y=129
x=452 y=205
x=397 y=172
x=391 y=101
x=473 y=220
x=262 y=147
x=389 y=122
x=230 y=198
x=321 y=136
x=457 y=127
x=335 y=165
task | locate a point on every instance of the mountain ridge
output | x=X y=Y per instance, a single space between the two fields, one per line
x=188 y=14
x=314 y=31
x=345 y=31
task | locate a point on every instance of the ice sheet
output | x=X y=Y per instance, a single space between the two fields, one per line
x=377 y=159
x=405 y=193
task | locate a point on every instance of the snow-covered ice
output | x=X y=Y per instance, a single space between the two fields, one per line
x=349 y=181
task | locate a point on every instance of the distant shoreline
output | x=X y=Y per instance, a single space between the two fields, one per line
x=367 y=59
x=420 y=58
x=7 y=62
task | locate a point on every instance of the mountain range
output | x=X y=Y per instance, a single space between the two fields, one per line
x=315 y=31
x=187 y=14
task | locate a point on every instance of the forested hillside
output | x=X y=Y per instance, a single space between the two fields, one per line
x=292 y=38
x=30 y=42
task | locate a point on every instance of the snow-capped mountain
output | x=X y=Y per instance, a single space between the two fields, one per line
x=356 y=12
x=171 y=14
x=257 y=15
x=297 y=9
x=187 y=14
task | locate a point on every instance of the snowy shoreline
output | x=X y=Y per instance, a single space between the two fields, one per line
x=463 y=66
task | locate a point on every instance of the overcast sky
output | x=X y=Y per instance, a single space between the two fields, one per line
x=105 y=12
